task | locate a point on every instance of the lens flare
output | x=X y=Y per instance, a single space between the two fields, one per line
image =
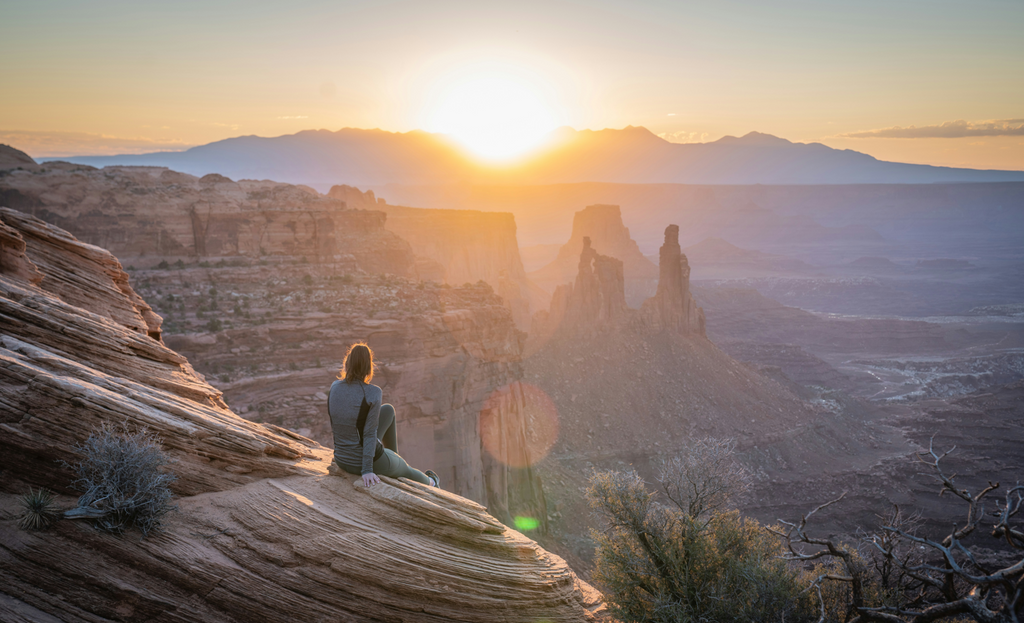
x=519 y=424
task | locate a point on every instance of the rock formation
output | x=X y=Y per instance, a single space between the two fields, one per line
x=672 y=307
x=635 y=386
x=469 y=246
x=261 y=532
x=264 y=285
x=11 y=158
x=148 y=214
x=602 y=224
x=595 y=301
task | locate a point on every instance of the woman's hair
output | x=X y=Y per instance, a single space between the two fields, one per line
x=358 y=366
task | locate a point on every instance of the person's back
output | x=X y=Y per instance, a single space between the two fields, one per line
x=343 y=405
x=359 y=419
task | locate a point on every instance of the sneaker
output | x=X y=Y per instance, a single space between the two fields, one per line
x=433 y=476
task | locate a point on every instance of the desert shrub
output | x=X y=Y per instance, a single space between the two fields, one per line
x=120 y=474
x=40 y=512
x=705 y=478
x=661 y=563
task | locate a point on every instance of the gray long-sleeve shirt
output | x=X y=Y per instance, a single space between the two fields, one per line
x=343 y=406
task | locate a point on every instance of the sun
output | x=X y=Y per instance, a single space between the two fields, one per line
x=498 y=116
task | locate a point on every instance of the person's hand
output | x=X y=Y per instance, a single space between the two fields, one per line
x=370 y=479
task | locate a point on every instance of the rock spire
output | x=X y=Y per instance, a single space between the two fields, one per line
x=673 y=307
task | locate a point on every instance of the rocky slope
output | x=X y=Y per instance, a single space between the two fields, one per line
x=442 y=353
x=631 y=387
x=602 y=224
x=264 y=286
x=261 y=532
x=148 y=214
x=460 y=246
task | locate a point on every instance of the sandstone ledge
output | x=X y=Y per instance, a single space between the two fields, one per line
x=262 y=532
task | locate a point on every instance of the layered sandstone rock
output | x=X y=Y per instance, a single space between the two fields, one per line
x=602 y=224
x=469 y=246
x=672 y=307
x=594 y=301
x=148 y=214
x=264 y=286
x=11 y=158
x=261 y=530
x=636 y=386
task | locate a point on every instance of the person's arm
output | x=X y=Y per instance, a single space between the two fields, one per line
x=370 y=436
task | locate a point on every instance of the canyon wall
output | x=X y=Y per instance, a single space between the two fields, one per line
x=462 y=246
x=267 y=314
x=602 y=224
x=148 y=214
x=261 y=531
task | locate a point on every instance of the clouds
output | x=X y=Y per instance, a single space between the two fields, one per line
x=41 y=144
x=949 y=129
x=683 y=136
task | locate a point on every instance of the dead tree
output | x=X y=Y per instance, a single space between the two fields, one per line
x=953 y=583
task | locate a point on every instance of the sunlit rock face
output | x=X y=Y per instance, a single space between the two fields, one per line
x=673 y=307
x=602 y=224
x=148 y=214
x=264 y=286
x=595 y=301
x=261 y=532
x=470 y=246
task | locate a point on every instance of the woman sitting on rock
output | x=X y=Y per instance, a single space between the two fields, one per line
x=358 y=418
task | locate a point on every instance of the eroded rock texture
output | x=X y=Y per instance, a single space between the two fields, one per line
x=264 y=286
x=673 y=307
x=262 y=532
x=594 y=301
x=468 y=246
x=602 y=224
x=148 y=214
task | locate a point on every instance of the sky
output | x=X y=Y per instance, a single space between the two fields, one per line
x=934 y=82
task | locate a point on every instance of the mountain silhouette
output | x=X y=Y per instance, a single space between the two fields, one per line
x=632 y=155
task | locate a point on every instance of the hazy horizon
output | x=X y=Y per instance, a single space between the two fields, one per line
x=924 y=83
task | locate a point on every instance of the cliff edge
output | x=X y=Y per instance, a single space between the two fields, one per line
x=262 y=532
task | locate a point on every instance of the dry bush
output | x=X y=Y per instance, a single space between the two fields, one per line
x=704 y=479
x=122 y=480
x=692 y=560
x=904 y=577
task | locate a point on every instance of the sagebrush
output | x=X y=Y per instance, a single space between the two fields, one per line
x=661 y=563
x=121 y=476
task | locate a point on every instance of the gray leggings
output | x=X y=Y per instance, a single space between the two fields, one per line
x=390 y=464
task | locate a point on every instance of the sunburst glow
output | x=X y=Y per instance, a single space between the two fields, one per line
x=496 y=115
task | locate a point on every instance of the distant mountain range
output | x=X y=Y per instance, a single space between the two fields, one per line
x=632 y=155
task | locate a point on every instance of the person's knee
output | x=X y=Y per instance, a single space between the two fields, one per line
x=387 y=409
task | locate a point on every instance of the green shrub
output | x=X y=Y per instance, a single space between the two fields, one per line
x=660 y=564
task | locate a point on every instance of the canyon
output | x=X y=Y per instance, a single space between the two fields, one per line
x=260 y=530
x=279 y=280
x=766 y=314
